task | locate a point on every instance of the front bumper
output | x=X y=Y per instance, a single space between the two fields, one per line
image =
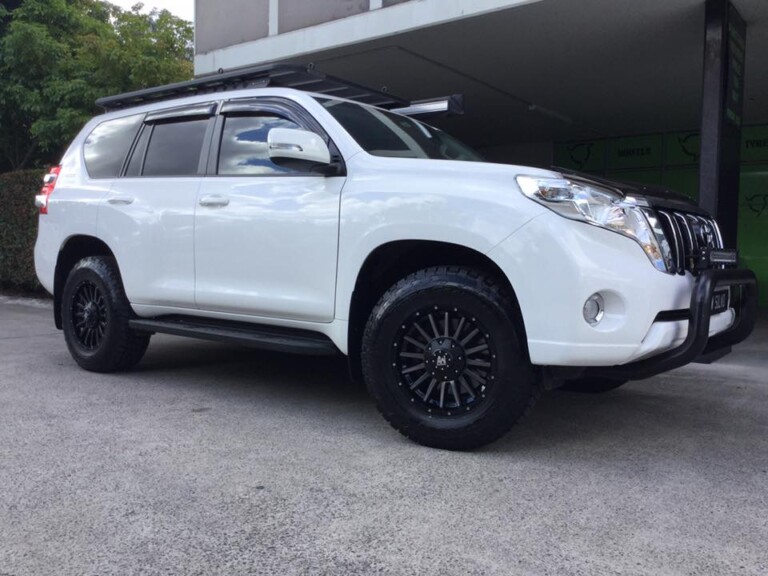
x=555 y=264
x=698 y=345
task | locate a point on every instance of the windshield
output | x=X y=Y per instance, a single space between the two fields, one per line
x=383 y=133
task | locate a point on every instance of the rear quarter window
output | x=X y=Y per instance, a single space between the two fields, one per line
x=107 y=146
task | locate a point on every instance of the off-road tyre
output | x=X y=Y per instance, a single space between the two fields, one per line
x=592 y=385
x=95 y=316
x=475 y=414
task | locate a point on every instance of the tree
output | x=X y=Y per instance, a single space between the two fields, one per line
x=58 y=56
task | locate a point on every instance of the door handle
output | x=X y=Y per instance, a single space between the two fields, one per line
x=214 y=201
x=121 y=200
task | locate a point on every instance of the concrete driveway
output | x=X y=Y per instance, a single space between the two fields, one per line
x=216 y=460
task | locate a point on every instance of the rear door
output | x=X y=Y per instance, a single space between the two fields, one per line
x=148 y=216
x=266 y=235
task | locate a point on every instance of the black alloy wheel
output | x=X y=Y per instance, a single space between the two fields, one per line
x=95 y=314
x=444 y=358
x=89 y=315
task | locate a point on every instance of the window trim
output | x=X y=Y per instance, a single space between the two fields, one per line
x=190 y=112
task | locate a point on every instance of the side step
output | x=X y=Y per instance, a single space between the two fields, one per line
x=265 y=337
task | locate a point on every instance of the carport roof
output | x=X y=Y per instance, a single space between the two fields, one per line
x=560 y=69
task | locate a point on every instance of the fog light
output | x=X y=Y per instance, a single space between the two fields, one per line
x=594 y=309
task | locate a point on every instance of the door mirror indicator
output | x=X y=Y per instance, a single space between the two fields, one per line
x=297 y=145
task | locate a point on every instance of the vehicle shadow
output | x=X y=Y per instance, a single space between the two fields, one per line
x=665 y=412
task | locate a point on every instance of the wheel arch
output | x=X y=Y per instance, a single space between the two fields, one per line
x=74 y=249
x=392 y=261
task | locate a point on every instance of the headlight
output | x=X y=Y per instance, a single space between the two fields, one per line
x=601 y=207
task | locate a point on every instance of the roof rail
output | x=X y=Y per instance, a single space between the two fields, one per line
x=273 y=75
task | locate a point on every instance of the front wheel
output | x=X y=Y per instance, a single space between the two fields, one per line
x=443 y=357
x=95 y=316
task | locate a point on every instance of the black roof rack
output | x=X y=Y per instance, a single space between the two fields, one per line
x=273 y=75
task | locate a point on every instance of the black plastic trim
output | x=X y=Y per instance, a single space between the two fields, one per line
x=673 y=315
x=273 y=338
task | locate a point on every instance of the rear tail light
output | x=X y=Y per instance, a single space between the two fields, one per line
x=49 y=183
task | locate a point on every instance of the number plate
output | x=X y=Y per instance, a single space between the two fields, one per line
x=720 y=301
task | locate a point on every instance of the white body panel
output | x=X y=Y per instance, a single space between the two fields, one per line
x=73 y=211
x=152 y=237
x=287 y=251
x=271 y=250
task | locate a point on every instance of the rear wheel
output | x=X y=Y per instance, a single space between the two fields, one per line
x=443 y=358
x=95 y=316
x=592 y=385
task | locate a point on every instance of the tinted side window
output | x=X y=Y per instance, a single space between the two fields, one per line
x=106 y=147
x=174 y=148
x=244 y=148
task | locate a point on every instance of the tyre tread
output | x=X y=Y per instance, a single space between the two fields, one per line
x=128 y=346
x=481 y=432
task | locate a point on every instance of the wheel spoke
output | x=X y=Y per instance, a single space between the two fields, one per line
x=476 y=349
x=470 y=336
x=467 y=388
x=415 y=342
x=427 y=337
x=434 y=326
x=447 y=324
x=412 y=355
x=479 y=363
x=442 y=393
x=460 y=327
x=475 y=376
x=414 y=368
x=419 y=380
x=455 y=393
x=429 y=390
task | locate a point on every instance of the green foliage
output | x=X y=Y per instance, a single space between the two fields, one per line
x=18 y=229
x=58 y=56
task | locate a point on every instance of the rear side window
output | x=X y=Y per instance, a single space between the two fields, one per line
x=107 y=146
x=174 y=148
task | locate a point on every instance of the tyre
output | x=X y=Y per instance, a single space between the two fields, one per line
x=592 y=385
x=443 y=357
x=95 y=315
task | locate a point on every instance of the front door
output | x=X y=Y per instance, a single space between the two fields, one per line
x=266 y=236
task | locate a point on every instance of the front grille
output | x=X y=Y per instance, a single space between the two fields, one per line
x=688 y=235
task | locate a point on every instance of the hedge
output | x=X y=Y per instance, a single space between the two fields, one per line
x=18 y=229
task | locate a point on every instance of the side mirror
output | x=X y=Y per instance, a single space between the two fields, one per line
x=298 y=145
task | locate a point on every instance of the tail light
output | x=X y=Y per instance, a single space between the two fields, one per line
x=49 y=183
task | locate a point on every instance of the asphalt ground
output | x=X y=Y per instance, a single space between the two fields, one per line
x=209 y=460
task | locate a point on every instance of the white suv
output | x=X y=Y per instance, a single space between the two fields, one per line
x=302 y=222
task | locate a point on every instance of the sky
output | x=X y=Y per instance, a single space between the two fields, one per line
x=181 y=8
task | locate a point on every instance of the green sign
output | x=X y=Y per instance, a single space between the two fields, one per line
x=635 y=152
x=584 y=156
x=683 y=181
x=682 y=149
x=754 y=144
x=753 y=224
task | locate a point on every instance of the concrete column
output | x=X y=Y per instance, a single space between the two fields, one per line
x=273 y=18
x=723 y=96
